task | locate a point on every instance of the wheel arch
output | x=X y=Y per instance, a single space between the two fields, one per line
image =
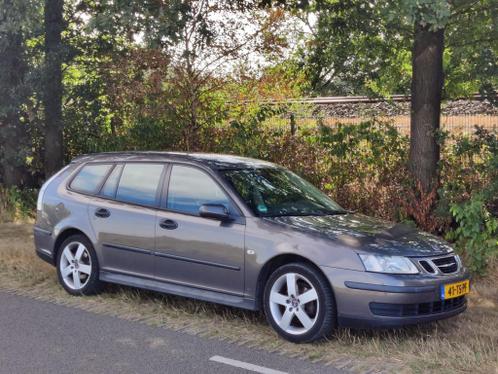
x=63 y=235
x=275 y=262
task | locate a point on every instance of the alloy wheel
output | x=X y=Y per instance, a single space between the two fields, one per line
x=75 y=265
x=294 y=303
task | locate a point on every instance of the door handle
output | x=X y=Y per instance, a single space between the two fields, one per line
x=168 y=224
x=102 y=213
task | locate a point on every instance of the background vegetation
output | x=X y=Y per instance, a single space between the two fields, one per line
x=80 y=76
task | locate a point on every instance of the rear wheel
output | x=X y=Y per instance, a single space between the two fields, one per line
x=77 y=266
x=299 y=303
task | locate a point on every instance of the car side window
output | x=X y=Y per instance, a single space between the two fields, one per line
x=90 y=177
x=109 y=188
x=139 y=182
x=189 y=188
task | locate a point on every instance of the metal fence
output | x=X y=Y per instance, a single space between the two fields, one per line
x=461 y=124
x=302 y=117
x=458 y=125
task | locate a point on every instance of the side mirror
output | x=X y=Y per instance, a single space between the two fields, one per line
x=214 y=211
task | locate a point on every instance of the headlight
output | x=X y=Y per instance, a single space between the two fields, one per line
x=388 y=264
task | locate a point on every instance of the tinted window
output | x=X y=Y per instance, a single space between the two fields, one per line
x=139 y=183
x=111 y=183
x=90 y=178
x=189 y=188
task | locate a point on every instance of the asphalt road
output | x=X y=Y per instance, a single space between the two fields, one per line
x=39 y=337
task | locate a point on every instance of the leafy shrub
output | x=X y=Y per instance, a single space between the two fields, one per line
x=299 y=154
x=470 y=191
x=422 y=206
x=366 y=166
x=476 y=235
x=470 y=165
x=17 y=204
x=244 y=134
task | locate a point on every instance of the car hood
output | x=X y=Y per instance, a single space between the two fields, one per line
x=367 y=234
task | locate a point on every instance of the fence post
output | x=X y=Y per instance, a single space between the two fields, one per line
x=293 y=124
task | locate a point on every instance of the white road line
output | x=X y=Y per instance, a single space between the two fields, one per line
x=245 y=365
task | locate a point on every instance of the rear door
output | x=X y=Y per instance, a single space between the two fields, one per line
x=124 y=215
x=193 y=250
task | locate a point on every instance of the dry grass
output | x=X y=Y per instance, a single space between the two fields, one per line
x=462 y=344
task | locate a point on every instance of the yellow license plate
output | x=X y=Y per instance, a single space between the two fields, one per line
x=452 y=290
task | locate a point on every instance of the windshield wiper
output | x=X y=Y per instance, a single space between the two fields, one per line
x=334 y=212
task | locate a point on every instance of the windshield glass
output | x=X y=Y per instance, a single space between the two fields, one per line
x=272 y=192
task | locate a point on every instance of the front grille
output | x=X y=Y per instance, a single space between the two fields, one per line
x=443 y=265
x=414 y=310
x=446 y=265
x=427 y=267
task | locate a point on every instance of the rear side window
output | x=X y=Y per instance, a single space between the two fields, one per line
x=139 y=183
x=109 y=188
x=90 y=178
x=189 y=188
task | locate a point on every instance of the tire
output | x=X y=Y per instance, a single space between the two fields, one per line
x=286 y=307
x=76 y=257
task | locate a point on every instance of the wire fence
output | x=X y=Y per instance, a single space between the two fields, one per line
x=458 y=117
x=463 y=124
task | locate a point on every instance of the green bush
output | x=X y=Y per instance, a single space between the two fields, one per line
x=17 y=204
x=470 y=193
x=470 y=165
x=366 y=166
x=476 y=234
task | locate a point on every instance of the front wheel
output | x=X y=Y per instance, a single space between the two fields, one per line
x=77 y=266
x=299 y=303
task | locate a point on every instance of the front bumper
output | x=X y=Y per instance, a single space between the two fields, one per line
x=366 y=300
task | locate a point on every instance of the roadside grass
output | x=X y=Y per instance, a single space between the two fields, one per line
x=467 y=343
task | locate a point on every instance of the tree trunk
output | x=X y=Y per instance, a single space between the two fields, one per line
x=52 y=98
x=426 y=90
x=13 y=133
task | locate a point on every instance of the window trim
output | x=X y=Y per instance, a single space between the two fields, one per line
x=117 y=164
x=164 y=188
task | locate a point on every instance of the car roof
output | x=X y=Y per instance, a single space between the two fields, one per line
x=212 y=160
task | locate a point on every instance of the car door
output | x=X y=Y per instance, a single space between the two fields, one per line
x=124 y=215
x=196 y=251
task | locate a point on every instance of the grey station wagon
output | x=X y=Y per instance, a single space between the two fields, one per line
x=244 y=233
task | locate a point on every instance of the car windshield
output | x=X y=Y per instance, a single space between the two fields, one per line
x=273 y=192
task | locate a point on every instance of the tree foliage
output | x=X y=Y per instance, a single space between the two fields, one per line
x=364 y=47
x=17 y=76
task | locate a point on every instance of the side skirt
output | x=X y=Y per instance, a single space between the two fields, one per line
x=179 y=290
